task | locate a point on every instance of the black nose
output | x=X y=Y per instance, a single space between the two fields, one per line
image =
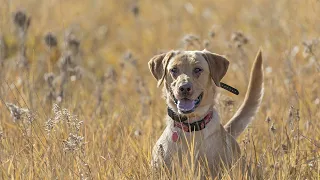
x=185 y=88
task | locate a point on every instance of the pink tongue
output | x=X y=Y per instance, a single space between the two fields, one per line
x=185 y=105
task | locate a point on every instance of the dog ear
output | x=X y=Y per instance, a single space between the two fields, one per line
x=218 y=66
x=158 y=65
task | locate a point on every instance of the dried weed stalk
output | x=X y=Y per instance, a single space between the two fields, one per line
x=3 y=50
x=22 y=23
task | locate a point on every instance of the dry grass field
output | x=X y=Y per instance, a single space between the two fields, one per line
x=78 y=100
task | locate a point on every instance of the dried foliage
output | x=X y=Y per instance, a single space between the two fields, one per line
x=78 y=101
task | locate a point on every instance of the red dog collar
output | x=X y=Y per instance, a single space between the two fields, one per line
x=195 y=126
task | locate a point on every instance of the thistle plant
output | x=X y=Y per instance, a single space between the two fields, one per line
x=63 y=123
x=51 y=92
x=53 y=52
x=72 y=48
x=128 y=59
x=111 y=75
x=191 y=41
x=128 y=63
x=17 y=113
x=73 y=143
x=310 y=53
x=145 y=99
x=238 y=41
x=62 y=115
x=50 y=40
x=22 y=117
x=46 y=140
x=107 y=83
x=68 y=63
x=135 y=9
x=22 y=23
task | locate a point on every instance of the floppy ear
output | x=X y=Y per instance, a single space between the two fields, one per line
x=218 y=66
x=158 y=65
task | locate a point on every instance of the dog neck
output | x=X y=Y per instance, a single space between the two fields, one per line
x=182 y=121
x=211 y=127
x=197 y=115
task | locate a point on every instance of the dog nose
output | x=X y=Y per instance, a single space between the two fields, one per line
x=185 y=88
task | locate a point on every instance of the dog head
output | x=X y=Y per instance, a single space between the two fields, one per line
x=190 y=79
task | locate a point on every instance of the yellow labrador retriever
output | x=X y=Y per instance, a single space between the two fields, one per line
x=190 y=81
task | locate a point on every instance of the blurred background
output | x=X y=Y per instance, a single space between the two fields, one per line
x=78 y=101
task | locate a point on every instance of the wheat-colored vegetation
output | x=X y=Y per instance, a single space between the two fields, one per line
x=78 y=101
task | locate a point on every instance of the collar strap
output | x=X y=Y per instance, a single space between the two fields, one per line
x=175 y=116
x=229 y=88
x=189 y=127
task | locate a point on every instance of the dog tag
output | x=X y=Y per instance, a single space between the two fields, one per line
x=175 y=136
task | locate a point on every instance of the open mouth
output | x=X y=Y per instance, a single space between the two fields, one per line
x=185 y=105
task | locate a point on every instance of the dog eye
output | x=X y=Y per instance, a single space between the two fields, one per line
x=197 y=70
x=174 y=70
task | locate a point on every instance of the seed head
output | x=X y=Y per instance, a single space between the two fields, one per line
x=239 y=39
x=212 y=33
x=21 y=20
x=49 y=125
x=65 y=62
x=128 y=58
x=190 y=39
x=268 y=119
x=73 y=143
x=50 y=40
x=76 y=73
x=72 y=41
x=22 y=61
x=110 y=74
x=16 y=112
x=309 y=47
x=135 y=10
x=55 y=109
x=206 y=44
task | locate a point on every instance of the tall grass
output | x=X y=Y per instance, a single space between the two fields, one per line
x=78 y=101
